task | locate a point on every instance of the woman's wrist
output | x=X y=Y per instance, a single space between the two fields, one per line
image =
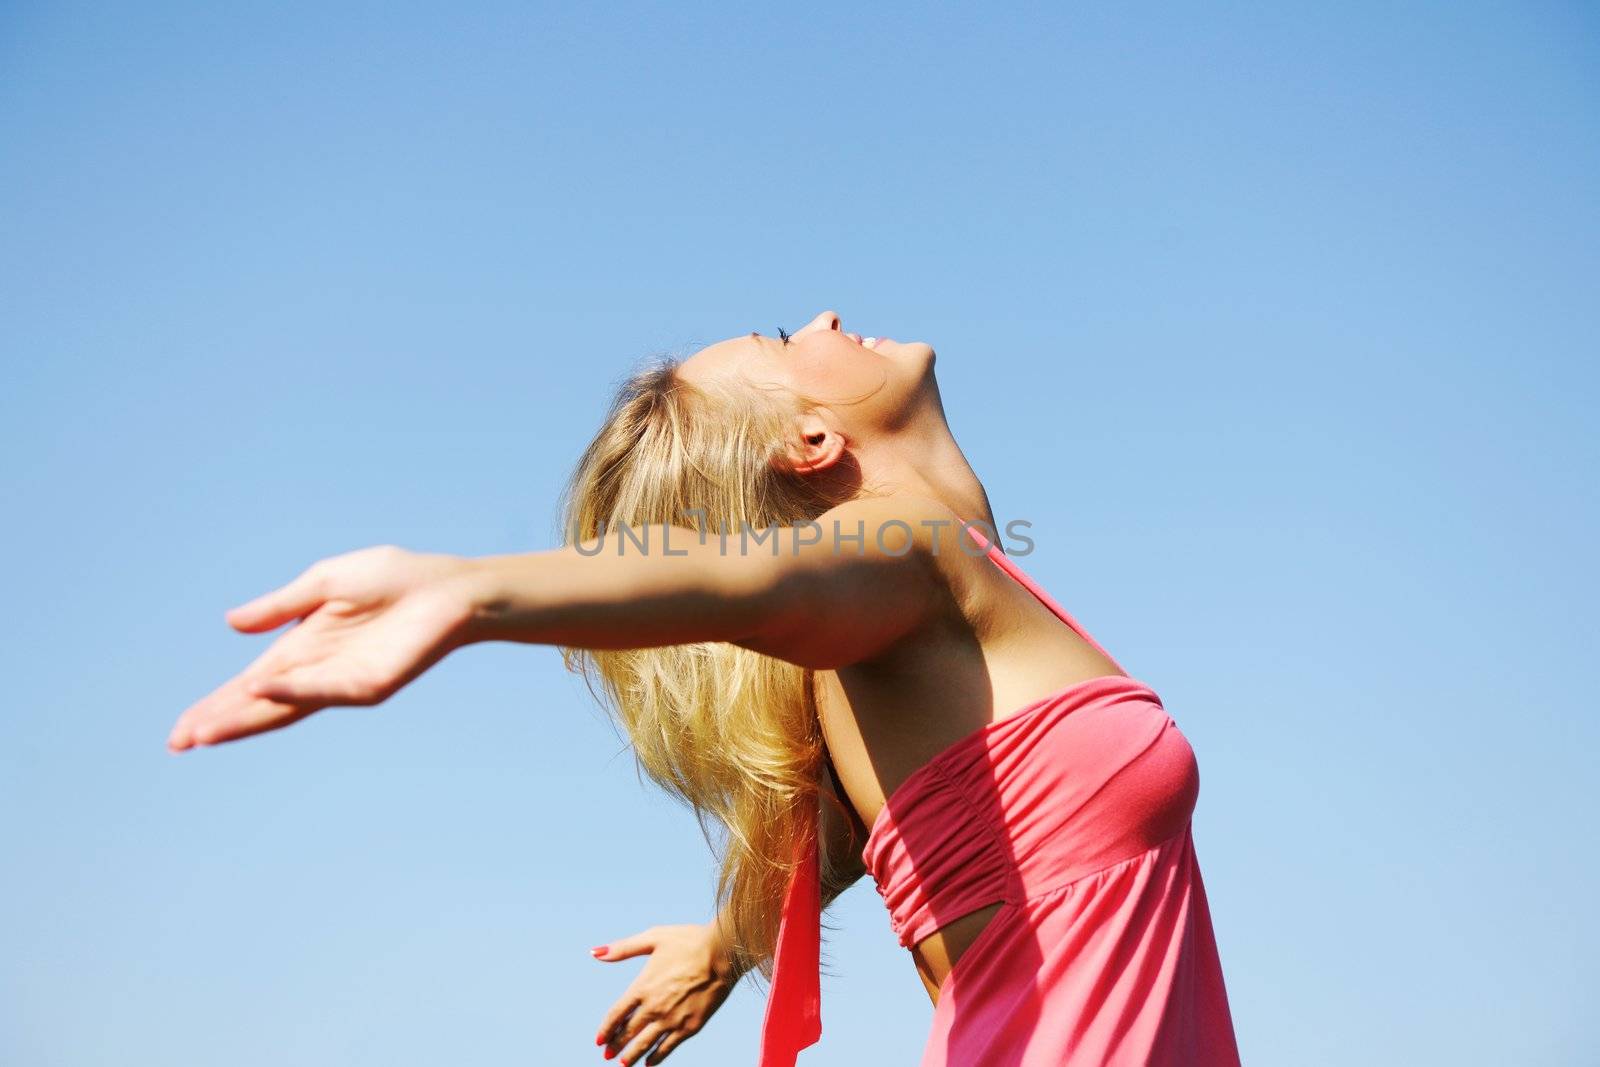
x=482 y=584
x=725 y=962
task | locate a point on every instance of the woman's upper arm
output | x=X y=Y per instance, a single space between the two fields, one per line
x=870 y=577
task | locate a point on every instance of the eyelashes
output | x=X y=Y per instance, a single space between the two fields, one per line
x=783 y=335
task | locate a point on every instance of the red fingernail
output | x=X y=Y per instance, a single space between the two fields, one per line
x=609 y=1054
x=600 y=1040
x=600 y=950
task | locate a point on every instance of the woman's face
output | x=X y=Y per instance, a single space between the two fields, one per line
x=869 y=385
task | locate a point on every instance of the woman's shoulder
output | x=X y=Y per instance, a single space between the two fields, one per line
x=918 y=530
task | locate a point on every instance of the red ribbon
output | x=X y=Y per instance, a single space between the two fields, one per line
x=794 y=1005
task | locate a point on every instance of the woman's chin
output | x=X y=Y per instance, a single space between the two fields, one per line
x=920 y=351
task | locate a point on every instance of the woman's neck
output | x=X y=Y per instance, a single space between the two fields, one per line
x=926 y=464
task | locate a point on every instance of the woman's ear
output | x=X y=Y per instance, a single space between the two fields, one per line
x=813 y=445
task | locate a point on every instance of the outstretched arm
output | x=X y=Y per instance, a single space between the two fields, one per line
x=371 y=621
x=800 y=594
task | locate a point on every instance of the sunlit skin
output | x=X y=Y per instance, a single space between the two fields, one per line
x=913 y=648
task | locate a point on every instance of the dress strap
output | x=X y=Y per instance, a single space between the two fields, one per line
x=1007 y=564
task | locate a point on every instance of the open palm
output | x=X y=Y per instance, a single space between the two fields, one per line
x=370 y=622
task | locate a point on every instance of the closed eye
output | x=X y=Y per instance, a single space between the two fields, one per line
x=783 y=335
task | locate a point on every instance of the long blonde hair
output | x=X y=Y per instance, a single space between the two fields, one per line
x=731 y=732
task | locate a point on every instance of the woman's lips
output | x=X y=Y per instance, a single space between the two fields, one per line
x=866 y=342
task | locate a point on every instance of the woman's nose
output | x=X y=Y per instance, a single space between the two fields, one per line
x=828 y=320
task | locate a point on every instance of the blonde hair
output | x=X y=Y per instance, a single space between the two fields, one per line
x=731 y=732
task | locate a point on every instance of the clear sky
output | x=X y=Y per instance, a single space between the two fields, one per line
x=1279 y=323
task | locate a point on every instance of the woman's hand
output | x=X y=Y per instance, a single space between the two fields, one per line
x=687 y=979
x=370 y=621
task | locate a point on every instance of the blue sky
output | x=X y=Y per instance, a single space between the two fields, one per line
x=1278 y=322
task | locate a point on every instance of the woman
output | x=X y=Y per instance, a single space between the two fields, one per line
x=776 y=573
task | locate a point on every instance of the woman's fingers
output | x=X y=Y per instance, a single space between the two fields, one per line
x=352 y=656
x=614 y=1019
x=271 y=610
x=228 y=715
x=640 y=944
x=663 y=1050
x=224 y=702
x=206 y=709
x=258 y=717
x=641 y=1043
x=613 y=1027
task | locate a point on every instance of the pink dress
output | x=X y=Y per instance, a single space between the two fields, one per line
x=1073 y=814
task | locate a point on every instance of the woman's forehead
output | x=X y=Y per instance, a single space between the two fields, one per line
x=721 y=359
